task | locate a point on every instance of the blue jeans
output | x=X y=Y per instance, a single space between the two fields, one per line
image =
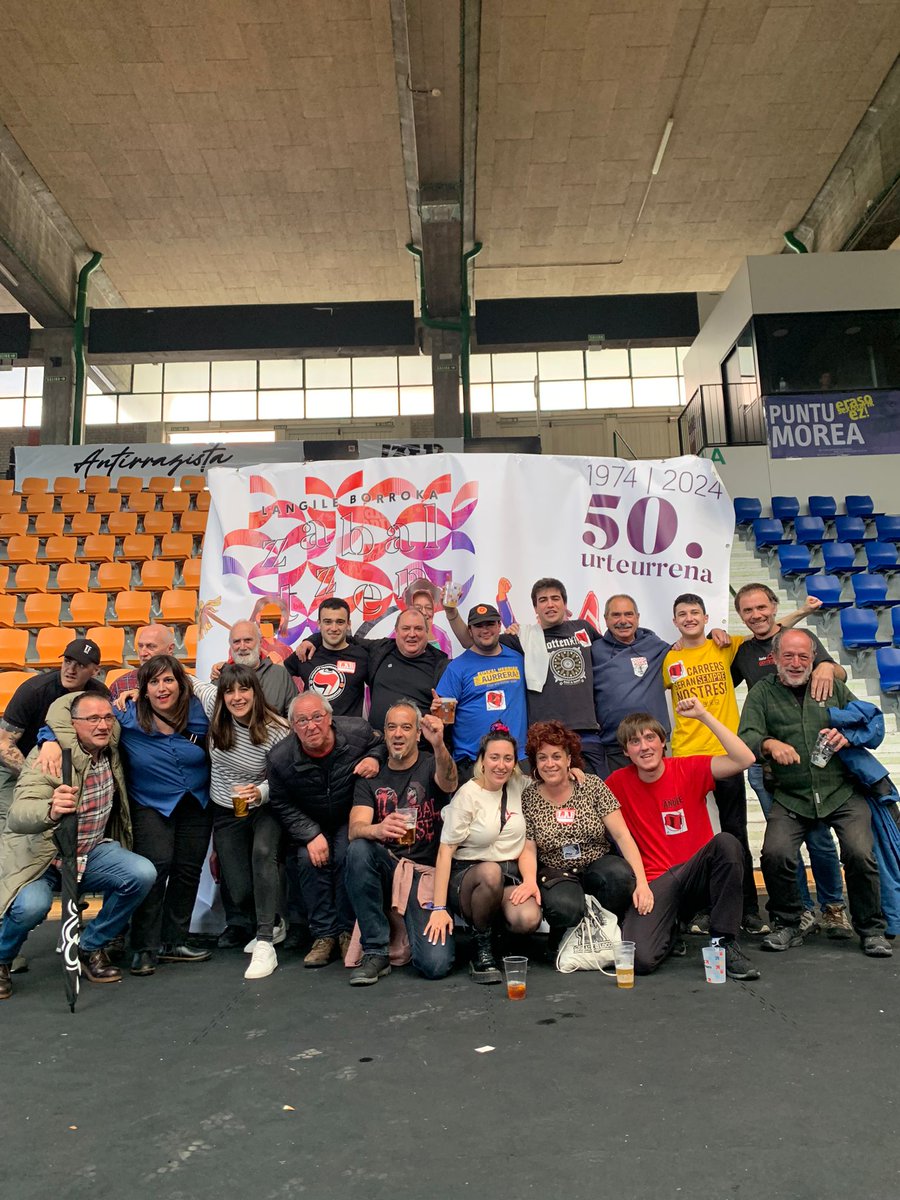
x=123 y=879
x=823 y=857
x=369 y=878
x=324 y=890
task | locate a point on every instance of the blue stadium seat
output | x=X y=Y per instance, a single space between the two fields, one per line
x=895 y=625
x=887 y=659
x=859 y=629
x=838 y=558
x=785 y=508
x=746 y=509
x=887 y=528
x=823 y=506
x=870 y=591
x=881 y=557
x=860 y=506
x=793 y=562
x=769 y=532
x=851 y=529
x=809 y=531
x=826 y=588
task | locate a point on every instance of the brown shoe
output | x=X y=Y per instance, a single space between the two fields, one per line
x=5 y=982
x=96 y=967
x=344 y=940
x=322 y=952
x=835 y=922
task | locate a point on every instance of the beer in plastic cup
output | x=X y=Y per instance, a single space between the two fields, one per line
x=624 y=952
x=448 y=709
x=240 y=801
x=410 y=816
x=822 y=751
x=515 y=968
x=714 y=962
x=450 y=594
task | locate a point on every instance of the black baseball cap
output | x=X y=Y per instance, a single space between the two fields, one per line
x=83 y=651
x=483 y=614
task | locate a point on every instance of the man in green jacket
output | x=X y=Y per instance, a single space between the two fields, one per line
x=782 y=723
x=29 y=863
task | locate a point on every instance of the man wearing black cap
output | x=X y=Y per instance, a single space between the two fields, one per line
x=27 y=710
x=484 y=692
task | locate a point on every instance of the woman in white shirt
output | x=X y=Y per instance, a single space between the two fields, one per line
x=477 y=863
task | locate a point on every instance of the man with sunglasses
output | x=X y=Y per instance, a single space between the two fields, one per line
x=29 y=860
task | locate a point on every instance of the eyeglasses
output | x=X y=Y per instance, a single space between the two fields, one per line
x=304 y=721
x=107 y=720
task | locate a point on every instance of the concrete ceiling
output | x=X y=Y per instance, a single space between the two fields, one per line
x=244 y=151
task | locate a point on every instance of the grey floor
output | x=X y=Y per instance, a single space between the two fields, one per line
x=196 y=1084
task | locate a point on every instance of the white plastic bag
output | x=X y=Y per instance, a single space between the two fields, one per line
x=590 y=945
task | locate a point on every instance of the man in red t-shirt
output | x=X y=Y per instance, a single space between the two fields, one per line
x=663 y=802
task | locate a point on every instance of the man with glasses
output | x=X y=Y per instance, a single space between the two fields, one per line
x=311 y=781
x=29 y=860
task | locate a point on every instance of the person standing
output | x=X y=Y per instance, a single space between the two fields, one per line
x=339 y=668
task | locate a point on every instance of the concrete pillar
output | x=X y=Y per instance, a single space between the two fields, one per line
x=445 y=347
x=59 y=387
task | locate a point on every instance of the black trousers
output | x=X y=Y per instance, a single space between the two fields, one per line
x=731 y=800
x=609 y=879
x=711 y=879
x=785 y=832
x=177 y=846
x=247 y=848
x=328 y=910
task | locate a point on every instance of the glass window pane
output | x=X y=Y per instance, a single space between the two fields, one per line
x=287 y=403
x=12 y=383
x=34 y=381
x=649 y=392
x=133 y=408
x=558 y=394
x=416 y=401
x=514 y=397
x=232 y=406
x=415 y=369
x=91 y=388
x=481 y=397
x=682 y=391
x=191 y=407
x=226 y=435
x=513 y=368
x=609 y=393
x=100 y=410
x=480 y=369
x=328 y=404
x=233 y=376
x=654 y=360
x=34 y=406
x=375 y=371
x=327 y=372
x=147 y=377
x=281 y=373
x=11 y=410
x=187 y=377
x=561 y=364
x=375 y=402
x=607 y=364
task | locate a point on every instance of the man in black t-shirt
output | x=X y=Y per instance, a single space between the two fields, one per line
x=27 y=710
x=411 y=780
x=338 y=669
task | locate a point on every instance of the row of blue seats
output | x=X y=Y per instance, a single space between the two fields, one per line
x=811 y=531
x=839 y=558
x=869 y=591
x=787 y=508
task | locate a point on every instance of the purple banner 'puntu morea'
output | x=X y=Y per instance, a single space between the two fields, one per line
x=817 y=426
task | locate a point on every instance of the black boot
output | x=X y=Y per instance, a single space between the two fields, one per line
x=483 y=967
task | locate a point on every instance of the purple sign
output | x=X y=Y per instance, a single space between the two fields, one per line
x=837 y=423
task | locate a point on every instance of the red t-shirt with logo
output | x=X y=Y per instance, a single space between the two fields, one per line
x=668 y=819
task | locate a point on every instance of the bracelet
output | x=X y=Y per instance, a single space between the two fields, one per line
x=435 y=907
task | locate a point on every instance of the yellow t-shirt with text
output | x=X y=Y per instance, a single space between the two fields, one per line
x=705 y=672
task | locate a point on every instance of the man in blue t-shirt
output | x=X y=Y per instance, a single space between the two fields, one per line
x=488 y=684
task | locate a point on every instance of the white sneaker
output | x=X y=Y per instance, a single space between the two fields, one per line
x=263 y=962
x=279 y=933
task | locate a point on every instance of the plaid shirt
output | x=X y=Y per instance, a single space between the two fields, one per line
x=94 y=807
x=125 y=683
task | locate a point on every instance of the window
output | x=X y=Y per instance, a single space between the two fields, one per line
x=232 y=406
x=327 y=373
x=281 y=373
x=187 y=377
x=233 y=376
x=134 y=409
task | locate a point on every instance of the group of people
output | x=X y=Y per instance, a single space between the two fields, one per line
x=337 y=798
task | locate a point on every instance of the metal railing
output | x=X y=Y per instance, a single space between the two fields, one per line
x=720 y=416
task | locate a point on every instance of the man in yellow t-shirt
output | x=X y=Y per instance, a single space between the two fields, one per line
x=702 y=668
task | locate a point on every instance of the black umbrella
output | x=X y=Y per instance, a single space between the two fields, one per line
x=66 y=838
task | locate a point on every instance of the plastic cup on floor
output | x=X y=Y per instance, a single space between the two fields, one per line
x=515 y=968
x=624 y=953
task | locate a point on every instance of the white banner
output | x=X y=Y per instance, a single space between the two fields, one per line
x=364 y=531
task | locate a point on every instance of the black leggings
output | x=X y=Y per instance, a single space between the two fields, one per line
x=247 y=848
x=176 y=845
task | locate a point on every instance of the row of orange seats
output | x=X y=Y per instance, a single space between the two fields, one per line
x=130 y=609
x=98 y=548
x=11 y=680
x=95 y=485
x=89 y=524
x=153 y=575
x=50 y=643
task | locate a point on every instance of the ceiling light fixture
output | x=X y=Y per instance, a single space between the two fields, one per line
x=663 y=143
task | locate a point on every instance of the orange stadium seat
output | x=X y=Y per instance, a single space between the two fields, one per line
x=96 y=484
x=8 y=611
x=10 y=681
x=86 y=609
x=70 y=578
x=191 y=635
x=106 y=502
x=13 y=524
x=126 y=484
x=203 y=501
x=34 y=485
x=190 y=573
x=50 y=645
x=60 y=549
x=13 y=649
x=10 y=504
x=65 y=484
x=113 y=577
x=157 y=576
x=178 y=607
x=98 y=548
x=42 y=610
x=160 y=484
x=111 y=643
x=192 y=484
x=7 y=487
x=114 y=674
x=176 y=502
x=32 y=577
x=48 y=524
x=39 y=502
x=74 y=502
x=4 y=576
x=140 y=502
x=122 y=524
x=131 y=608
x=85 y=524
x=176 y=545
x=158 y=524
x=193 y=522
x=137 y=547
x=22 y=549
